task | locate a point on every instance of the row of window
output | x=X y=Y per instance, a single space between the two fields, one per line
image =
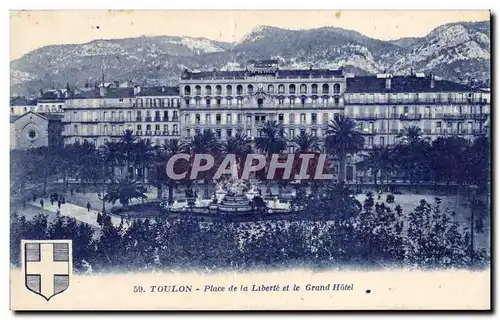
x=118 y=129
x=122 y=116
x=453 y=97
x=239 y=101
x=291 y=89
x=257 y=118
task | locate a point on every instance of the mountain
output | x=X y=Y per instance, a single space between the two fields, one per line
x=455 y=51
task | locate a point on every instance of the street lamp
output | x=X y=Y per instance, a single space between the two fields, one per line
x=101 y=198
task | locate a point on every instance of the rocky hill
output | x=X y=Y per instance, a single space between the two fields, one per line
x=454 y=51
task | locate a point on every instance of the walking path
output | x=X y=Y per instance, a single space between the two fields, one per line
x=77 y=212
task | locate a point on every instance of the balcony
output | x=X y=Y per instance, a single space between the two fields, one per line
x=165 y=133
x=138 y=119
x=175 y=119
x=410 y=117
x=165 y=119
x=157 y=119
x=138 y=133
x=148 y=132
x=175 y=133
x=148 y=119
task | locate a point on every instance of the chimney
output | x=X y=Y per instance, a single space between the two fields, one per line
x=432 y=81
x=102 y=91
x=388 y=81
x=137 y=89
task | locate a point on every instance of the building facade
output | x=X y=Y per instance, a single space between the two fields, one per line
x=231 y=102
x=241 y=101
x=33 y=130
x=102 y=114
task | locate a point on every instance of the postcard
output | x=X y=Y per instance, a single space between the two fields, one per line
x=250 y=160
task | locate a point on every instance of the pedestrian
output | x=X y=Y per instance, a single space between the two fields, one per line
x=59 y=204
x=71 y=190
x=41 y=203
x=51 y=200
x=34 y=197
x=63 y=200
x=88 y=206
x=58 y=213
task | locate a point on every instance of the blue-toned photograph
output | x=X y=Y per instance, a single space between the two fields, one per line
x=261 y=147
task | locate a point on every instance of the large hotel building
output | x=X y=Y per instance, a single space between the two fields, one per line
x=229 y=102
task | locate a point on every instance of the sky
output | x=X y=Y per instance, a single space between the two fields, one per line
x=33 y=29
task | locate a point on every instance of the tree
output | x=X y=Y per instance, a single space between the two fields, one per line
x=306 y=142
x=127 y=146
x=112 y=156
x=413 y=154
x=206 y=143
x=239 y=145
x=271 y=141
x=173 y=147
x=123 y=191
x=378 y=160
x=342 y=139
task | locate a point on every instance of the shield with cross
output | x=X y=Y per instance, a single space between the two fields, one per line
x=47 y=266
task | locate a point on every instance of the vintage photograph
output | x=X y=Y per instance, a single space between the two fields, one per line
x=249 y=141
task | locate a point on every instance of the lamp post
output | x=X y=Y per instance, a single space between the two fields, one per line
x=101 y=198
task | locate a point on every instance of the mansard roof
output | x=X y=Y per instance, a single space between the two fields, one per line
x=278 y=73
x=158 y=91
x=120 y=93
x=403 y=84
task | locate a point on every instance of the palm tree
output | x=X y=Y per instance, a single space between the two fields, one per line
x=112 y=156
x=143 y=155
x=306 y=142
x=413 y=153
x=239 y=145
x=410 y=136
x=272 y=141
x=127 y=142
x=125 y=190
x=206 y=143
x=378 y=159
x=171 y=148
x=342 y=139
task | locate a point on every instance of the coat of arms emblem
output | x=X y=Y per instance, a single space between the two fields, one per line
x=47 y=266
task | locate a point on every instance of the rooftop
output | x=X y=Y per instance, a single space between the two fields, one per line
x=257 y=70
x=403 y=84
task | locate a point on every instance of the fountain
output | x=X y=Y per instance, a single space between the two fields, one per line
x=231 y=198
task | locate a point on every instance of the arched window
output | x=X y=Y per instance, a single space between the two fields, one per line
x=229 y=90
x=303 y=89
x=336 y=88
x=197 y=89
x=239 y=89
x=270 y=89
x=281 y=89
x=187 y=90
x=325 y=89
x=291 y=89
x=105 y=129
x=208 y=90
x=249 y=89
x=218 y=90
x=314 y=89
